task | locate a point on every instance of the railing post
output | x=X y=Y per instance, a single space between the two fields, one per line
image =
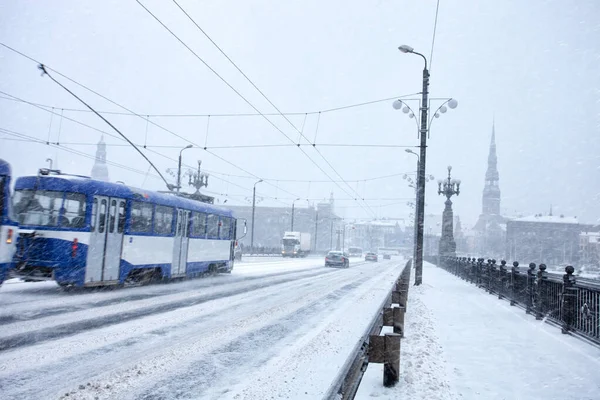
x=391 y=365
x=568 y=303
x=513 y=282
x=494 y=277
x=502 y=279
x=480 y=272
x=489 y=277
x=540 y=308
x=530 y=288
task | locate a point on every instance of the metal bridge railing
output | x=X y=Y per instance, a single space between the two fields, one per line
x=570 y=302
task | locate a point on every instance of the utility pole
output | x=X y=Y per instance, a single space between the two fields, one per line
x=253 y=210
x=331 y=234
x=293 y=203
x=189 y=146
x=316 y=227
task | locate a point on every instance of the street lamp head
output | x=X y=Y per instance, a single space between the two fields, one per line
x=411 y=115
x=397 y=104
x=443 y=109
x=189 y=146
x=453 y=103
x=406 y=49
x=408 y=151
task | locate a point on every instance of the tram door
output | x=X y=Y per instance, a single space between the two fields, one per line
x=106 y=239
x=180 y=248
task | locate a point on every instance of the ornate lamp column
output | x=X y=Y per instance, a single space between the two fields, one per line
x=448 y=188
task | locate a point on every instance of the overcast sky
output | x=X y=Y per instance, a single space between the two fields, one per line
x=531 y=65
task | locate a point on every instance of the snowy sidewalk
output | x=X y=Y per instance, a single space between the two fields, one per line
x=463 y=343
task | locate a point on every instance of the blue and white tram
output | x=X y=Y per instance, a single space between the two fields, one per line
x=84 y=232
x=8 y=226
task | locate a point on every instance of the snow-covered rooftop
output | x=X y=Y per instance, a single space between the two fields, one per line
x=548 y=218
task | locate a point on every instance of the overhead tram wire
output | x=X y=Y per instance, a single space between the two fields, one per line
x=30 y=139
x=241 y=96
x=238 y=93
x=37 y=105
x=139 y=115
x=43 y=69
x=273 y=105
x=437 y=8
x=187 y=140
x=225 y=115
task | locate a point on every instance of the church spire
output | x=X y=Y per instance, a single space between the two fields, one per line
x=491 y=191
x=100 y=170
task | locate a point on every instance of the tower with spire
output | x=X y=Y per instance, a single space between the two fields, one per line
x=491 y=191
x=489 y=226
x=100 y=169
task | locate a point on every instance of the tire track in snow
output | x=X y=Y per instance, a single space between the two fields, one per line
x=57 y=331
x=17 y=383
x=78 y=302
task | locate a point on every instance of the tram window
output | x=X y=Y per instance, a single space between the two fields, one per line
x=102 y=216
x=121 y=217
x=94 y=213
x=163 y=220
x=199 y=224
x=212 y=226
x=74 y=210
x=225 y=228
x=38 y=207
x=141 y=217
x=113 y=216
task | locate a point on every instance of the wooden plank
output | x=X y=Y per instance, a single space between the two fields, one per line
x=376 y=349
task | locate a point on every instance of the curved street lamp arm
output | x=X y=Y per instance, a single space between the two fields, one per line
x=433 y=114
x=424 y=58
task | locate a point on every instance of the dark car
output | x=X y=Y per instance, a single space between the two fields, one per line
x=337 y=258
x=370 y=256
x=387 y=256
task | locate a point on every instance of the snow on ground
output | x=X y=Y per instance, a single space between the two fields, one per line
x=462 y=343
x=203 y=338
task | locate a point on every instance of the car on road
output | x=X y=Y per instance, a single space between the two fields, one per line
x=387 y=256
x=370 y=256
x=337 y=258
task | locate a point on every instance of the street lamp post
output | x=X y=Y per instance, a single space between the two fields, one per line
x=448 y=188
x=424 y=108
x=189 y=146
x=253 y=210
x=293 y=202
x=416 y=211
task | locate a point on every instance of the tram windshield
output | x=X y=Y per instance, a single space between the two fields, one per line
x=46 y=208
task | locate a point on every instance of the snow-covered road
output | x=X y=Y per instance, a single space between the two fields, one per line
x=463 y=343
x=276 y=327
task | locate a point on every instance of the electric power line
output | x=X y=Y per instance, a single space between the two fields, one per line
x=247 y=101
x=261 y=93
x=437 y=8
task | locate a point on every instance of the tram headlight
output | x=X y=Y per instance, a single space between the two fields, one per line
x=9 y=237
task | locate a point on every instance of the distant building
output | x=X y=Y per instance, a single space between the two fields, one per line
x=589 y=248
x=100 y=169
x=491 y=226
x=459 y=237
x=370 y=235
x=271 y=223
x=552 y=240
